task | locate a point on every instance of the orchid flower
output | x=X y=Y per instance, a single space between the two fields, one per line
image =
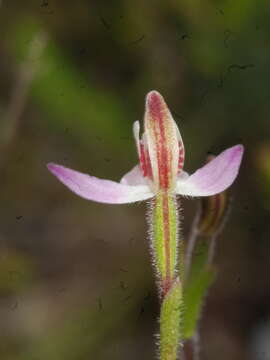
x=161 y=159
x=159 y=176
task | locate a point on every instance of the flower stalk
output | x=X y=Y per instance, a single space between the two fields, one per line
x=170 y=326
x=164 y=223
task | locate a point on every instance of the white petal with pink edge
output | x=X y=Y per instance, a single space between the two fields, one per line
x=100 y=190
x=134 y=177
x=214 y=177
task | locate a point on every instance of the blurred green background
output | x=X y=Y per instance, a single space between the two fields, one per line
x=75 y=276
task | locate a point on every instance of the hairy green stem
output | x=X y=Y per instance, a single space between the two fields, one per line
x=164 y=230
x=170 y=326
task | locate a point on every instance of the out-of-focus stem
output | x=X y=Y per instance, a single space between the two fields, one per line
x=19 y=94
x=209 y=221
x=196 y=345
x=191 y=242
x=215 y=235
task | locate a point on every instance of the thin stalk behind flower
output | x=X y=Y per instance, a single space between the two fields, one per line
x=19 y=95
x=192 y=239
x=209 y=221
x=210 y=218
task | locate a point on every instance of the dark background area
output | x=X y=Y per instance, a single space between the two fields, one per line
x=75 y=276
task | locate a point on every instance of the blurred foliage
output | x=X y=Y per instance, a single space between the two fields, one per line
x=210 y=60
x=62 y=91
x=16 y=272
x=263 y=167
x=86 y=329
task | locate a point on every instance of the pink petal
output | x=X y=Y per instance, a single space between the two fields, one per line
x=214 y=177
x=133 y=177
x=104 y=191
